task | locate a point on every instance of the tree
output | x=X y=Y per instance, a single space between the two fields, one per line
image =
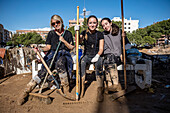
x=155 y=35
x=149 y=40
x=27 y=39
x=71 y=29
x=12 y=42
x=135 y=38
x=100 y=27
x=150 y=33
x=84 y=24
x=141 y=32
x=33 y=38
x=118 y=23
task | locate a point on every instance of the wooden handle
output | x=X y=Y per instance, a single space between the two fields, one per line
x=124 y=57
x=45 y=65
x=77 y=56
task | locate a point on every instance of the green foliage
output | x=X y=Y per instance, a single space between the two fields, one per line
x=12 y=41
x=135 y=38
x=26 y=39
x=84 y=24
x=118 y=23
x=141 y=32
x=149 y=40
x=9 y=43
x=131 y=37
x=71 y=29
x=100 y=27
x=155 y=35
x=150 y=33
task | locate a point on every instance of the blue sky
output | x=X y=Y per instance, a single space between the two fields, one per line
x=32 y=14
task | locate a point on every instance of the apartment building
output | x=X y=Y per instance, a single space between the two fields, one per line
x=163 y=40
x=1 y=33
x=5 y=35
x=129 y=25
x=43 y=34
x=74 y=22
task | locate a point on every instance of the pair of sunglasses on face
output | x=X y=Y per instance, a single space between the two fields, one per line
x=57 y=22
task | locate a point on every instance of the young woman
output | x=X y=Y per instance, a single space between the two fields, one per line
x=94 y=43
x=112 y=53
x=63 y=62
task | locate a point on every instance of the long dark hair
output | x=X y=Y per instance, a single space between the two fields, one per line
x=88 y=30
x=115 y=28
x=92 y=16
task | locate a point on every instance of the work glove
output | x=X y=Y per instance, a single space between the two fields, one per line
x=76 y=28
x=36 y=79
x=96 y=58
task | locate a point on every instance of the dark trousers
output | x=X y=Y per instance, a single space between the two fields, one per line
x=59 y=65
x=85 y=61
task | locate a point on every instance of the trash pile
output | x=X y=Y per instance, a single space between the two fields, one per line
x=16 y=60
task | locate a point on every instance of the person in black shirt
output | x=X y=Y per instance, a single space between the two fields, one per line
x=63 y=62
x=94 y=43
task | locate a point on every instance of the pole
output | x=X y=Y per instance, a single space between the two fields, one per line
x=77 y=57
x=123 y=36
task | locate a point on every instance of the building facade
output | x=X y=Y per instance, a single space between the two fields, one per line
x=1 y=34
x=5 y=36
x=43 y=34
x=129 y=25
x=81 y=20
x=74 y=22
x=163 y=40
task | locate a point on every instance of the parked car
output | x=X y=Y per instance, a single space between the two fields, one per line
x=133 y=45
x=148 y=46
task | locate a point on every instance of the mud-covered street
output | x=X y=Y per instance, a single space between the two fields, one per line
x=152 y=100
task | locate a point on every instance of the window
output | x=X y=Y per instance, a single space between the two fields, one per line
x=125 y=27
x=129 y=23
x=128 y=27
x=125 y=23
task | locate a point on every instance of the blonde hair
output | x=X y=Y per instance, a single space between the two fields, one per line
x=57 y=17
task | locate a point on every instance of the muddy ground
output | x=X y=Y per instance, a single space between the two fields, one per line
x=155 y=99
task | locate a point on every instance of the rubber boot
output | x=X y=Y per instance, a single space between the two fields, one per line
x=100 y=88
x=83 y=86
x=108 y=82
x=24 y=94
x=65 y=85
x=114 y=79
x=114 y=74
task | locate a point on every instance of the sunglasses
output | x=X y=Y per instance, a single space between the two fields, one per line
x=57 y=22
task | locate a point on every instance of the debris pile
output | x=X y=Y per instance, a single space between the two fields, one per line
x=17 y=60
